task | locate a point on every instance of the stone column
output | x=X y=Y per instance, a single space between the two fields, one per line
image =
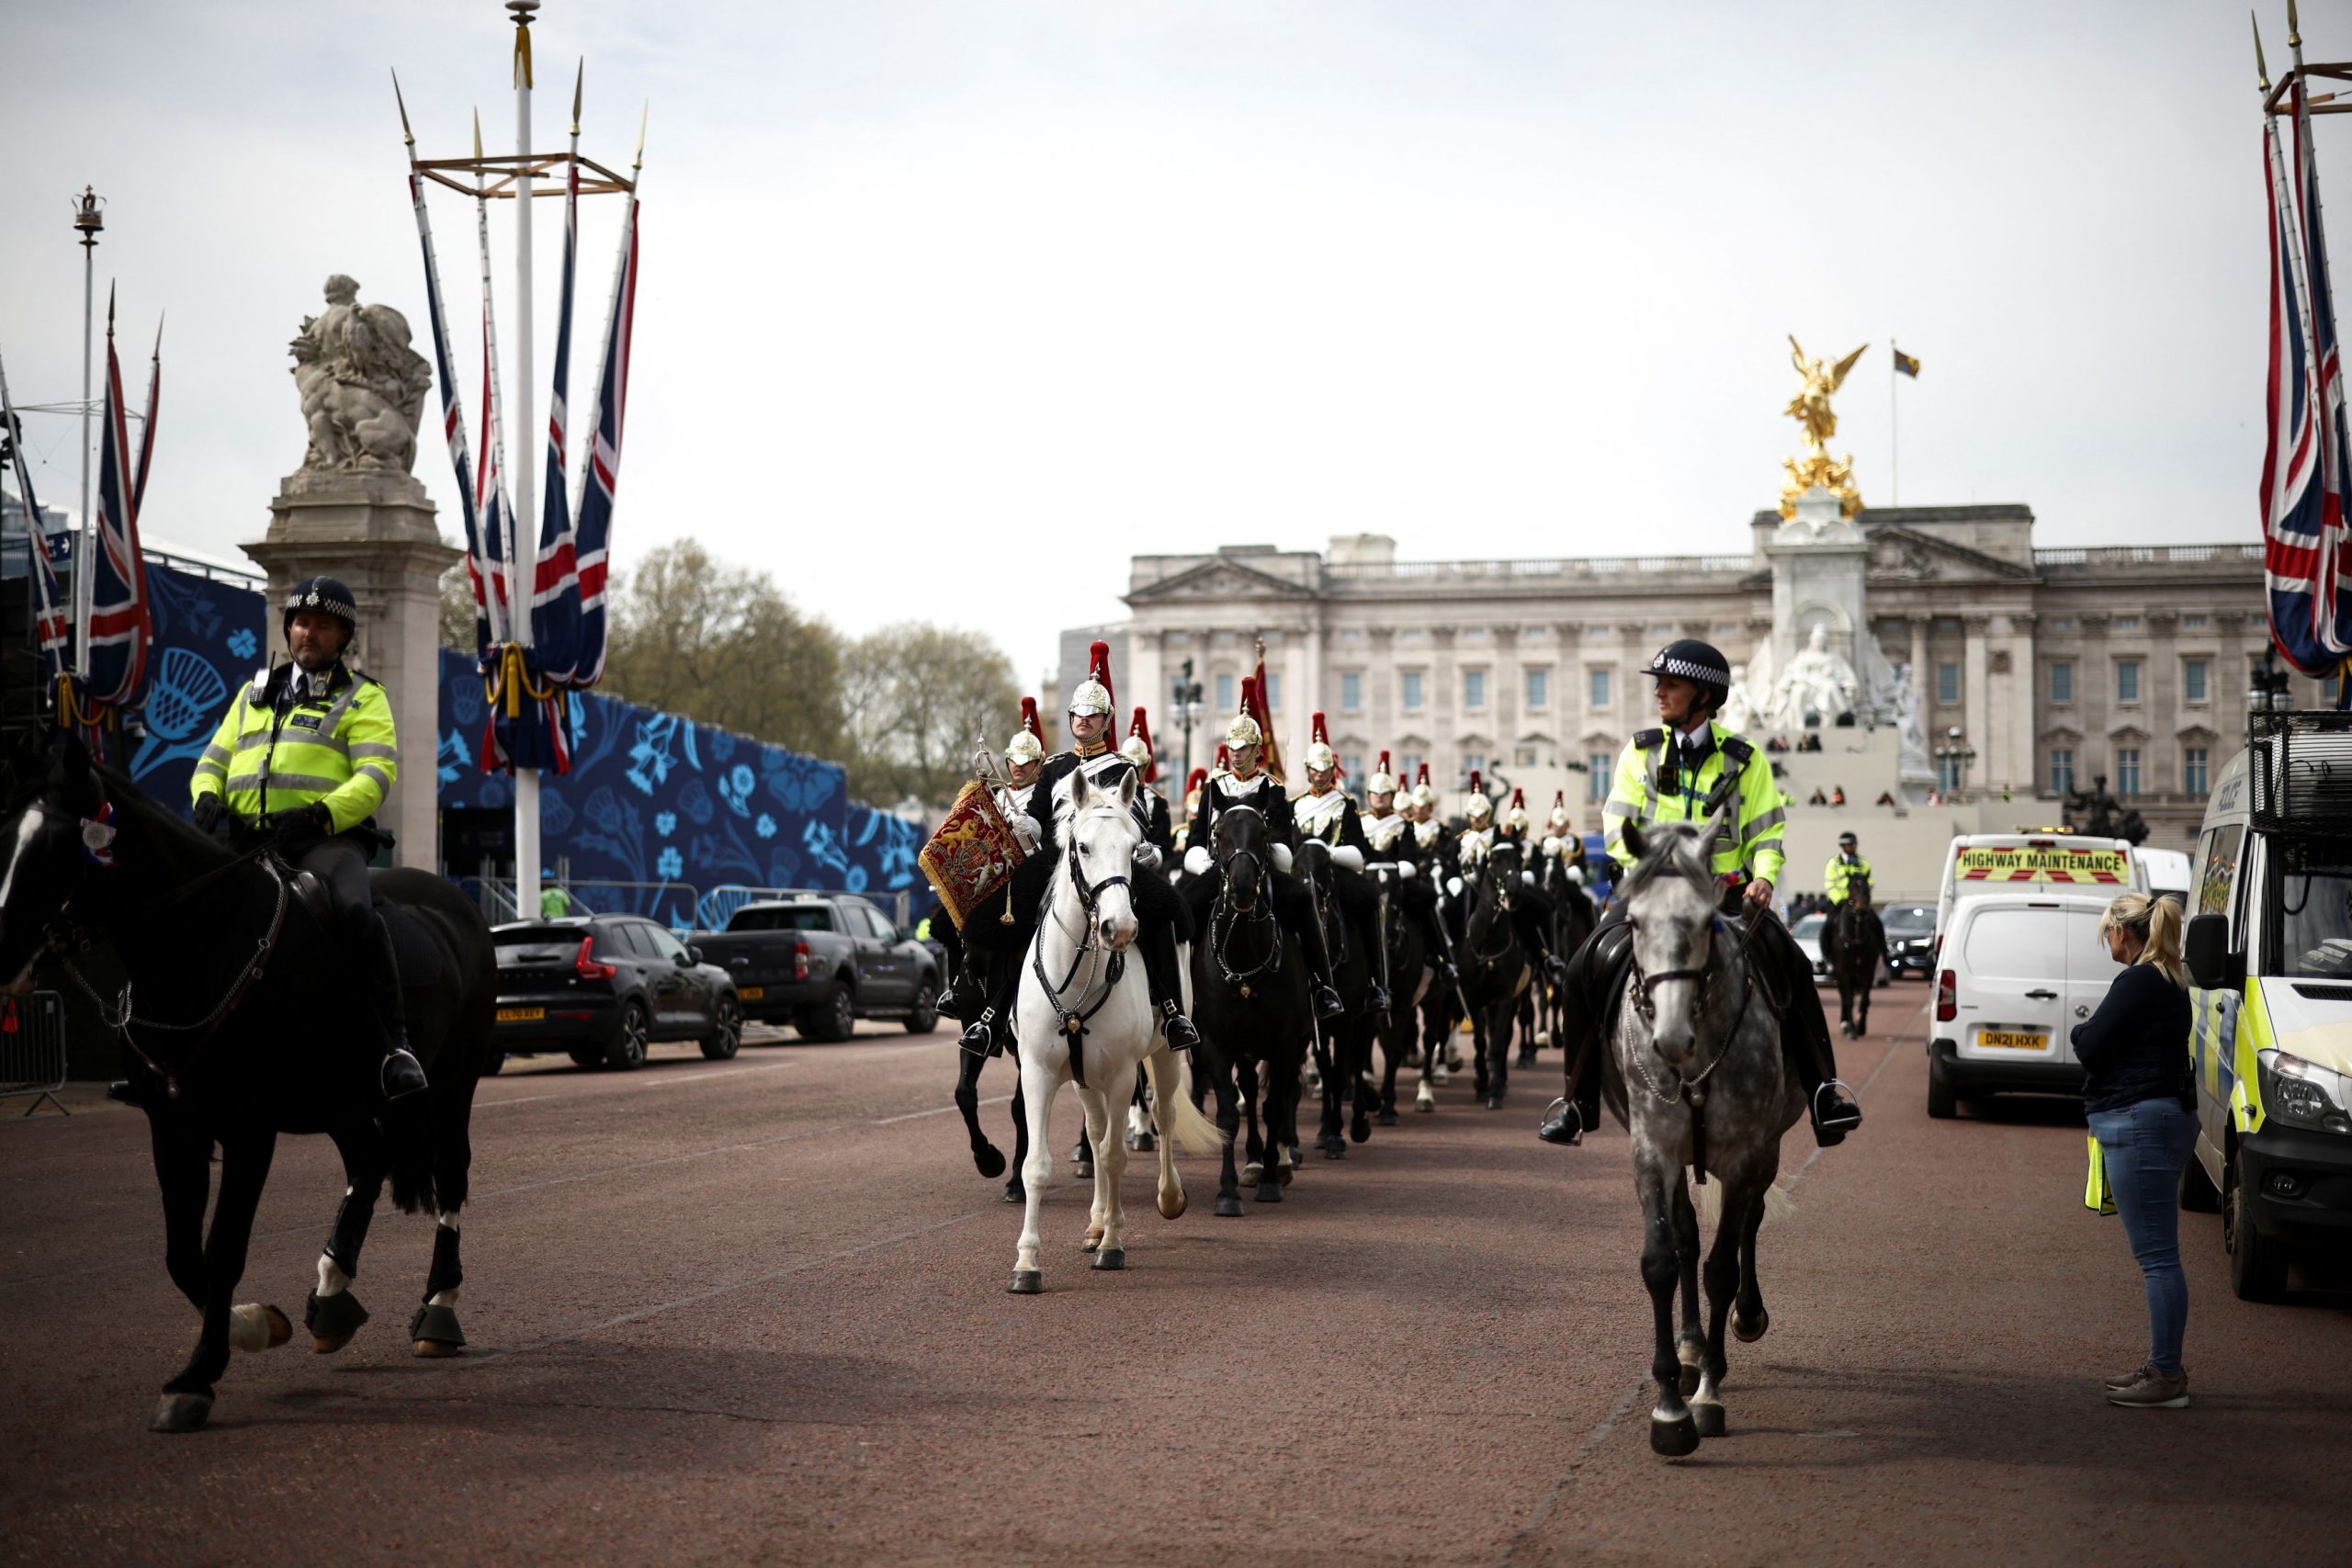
x=1445 y=738
x=1317 y=697
x=2019 y=704
x=1380 y=712
x=1975 y=675
x=375 y=530
x=1503 y=700
x=1147 y=685
x=1920 y=674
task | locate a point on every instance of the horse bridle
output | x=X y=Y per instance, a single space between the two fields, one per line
x=1260 y=913
x=1502 y=902
x=1073 y=1020
x=1690 y=1088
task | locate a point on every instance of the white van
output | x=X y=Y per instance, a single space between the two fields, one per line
x=2169 y=873
x=2016 y=972
x=2034 y=860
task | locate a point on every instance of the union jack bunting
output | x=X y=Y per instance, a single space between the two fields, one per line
x=2303 y=463
x=52 y=621
x=600 y=475
x=488 y=628
x=121 y=624
x=555 y=593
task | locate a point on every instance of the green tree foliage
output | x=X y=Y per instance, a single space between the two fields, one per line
x=458 y=611
x=918 y=697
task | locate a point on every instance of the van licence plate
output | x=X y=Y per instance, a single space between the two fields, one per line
x=2013 y=1040
x=750 y=993
x=521 y=1015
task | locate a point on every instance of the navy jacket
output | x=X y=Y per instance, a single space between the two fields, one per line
x=2135 y=1046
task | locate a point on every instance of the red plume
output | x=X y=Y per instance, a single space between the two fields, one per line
x=1383 y=763
x=1315 y=730
x=1423 y=777
x=1559 y=800
x=1518 y=799
x=1249 y=696
x=1476 y=787
x=1098 y=667
x=1200 y=776
x=1029 y=719
x=1137 y=729
x=1224 y=758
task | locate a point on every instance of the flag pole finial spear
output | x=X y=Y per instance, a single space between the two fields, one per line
x=109 y=311
x=2261 y=66
x=477 y=134
x=2294 y=28
x=579 y=81
x=158 y=355
x=408 y=137
x=642 y=115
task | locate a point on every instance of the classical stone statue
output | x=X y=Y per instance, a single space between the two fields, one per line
x=1817 y=681
x=362 y=387
x=1911 y=733
x=1810 y=408
x=1739 y=715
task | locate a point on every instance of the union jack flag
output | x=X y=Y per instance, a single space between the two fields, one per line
x=555 y=590
x=488 y=627
x=600 y=476
x=2305 y=462
x=52 y=621
x=120 y=624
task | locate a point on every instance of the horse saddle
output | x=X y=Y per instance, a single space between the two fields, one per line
x=413 y=949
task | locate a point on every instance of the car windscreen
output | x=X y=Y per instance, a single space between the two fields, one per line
x=1908 y=919
x=789 y=918
x=2315 y=928
x=538 y=943
x=1809 y=927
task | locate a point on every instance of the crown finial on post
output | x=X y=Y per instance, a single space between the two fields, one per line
x=522 y=10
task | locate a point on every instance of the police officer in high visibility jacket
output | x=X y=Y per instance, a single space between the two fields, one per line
x=306 y=753
x=1846 y=868
x=1684 y=772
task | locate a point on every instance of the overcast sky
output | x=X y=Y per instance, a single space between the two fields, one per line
x=947 y=309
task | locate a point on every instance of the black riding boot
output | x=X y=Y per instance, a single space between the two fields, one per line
x=1366 y=924
x=1162 y=973
x=1806 y=1047
x=1302 y=918
x=402 y=1075
x=1585 y=992
x=982 y=1036
x=1433 y=940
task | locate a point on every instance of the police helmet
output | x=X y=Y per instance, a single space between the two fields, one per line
x=1847 y=840
x=1701 y=663
x=322 y=595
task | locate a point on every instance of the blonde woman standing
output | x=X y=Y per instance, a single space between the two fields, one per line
x=2139 y=1096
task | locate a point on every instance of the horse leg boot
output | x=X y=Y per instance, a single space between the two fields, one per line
x=1165 y=978
x=1805 y=1037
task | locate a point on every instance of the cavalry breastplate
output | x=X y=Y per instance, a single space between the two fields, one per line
x=1383 y=832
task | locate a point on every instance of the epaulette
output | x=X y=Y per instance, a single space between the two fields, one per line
x=1738 y=749
x=1648 y=738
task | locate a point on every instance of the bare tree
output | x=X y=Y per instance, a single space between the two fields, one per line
x=918 y=697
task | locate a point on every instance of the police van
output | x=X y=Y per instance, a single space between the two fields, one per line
x=2268 y=946
x=2034 y=860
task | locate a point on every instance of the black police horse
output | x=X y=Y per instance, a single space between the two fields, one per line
x=238 y=1013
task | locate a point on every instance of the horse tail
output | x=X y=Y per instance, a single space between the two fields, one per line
x=408 y=1137
x=1181 y=1122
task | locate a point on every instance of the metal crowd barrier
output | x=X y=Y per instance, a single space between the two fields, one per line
x=32 y=1048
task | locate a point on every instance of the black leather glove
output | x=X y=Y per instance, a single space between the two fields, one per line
x=207 y=815
x=310 y=821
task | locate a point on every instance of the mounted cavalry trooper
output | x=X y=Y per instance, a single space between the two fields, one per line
x=1159 y=829
x=1531 y=910
x=1845 y=868
x=306 y=754
x=1329 y=813
x=992 y=949
x=1245 y=784
x=1389 y=840
x=1191 y=803
x=1685 y=772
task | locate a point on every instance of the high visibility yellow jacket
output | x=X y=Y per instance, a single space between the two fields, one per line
x=328 y=739
x=1750 y=843
x=1839 y=879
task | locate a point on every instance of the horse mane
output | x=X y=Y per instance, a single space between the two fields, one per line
x=1674 y=850
x=177 y=832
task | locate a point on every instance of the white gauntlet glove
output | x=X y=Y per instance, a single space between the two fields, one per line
x=1196 y=860
x=1348 y=855
x=1454 y=886
x=1281 y=859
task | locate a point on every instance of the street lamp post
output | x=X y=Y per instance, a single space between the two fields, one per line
x=1184 y=694
x=1954 y=757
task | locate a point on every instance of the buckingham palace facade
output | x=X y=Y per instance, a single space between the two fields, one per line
x=2055 y=665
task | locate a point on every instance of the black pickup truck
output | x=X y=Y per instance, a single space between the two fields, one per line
x=821 y=961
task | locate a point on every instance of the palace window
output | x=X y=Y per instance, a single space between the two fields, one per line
x=1412 y=690
x=2127 y=679
x=1409 y=767
x=1224 y=703
x=1351 y=770
x=1600 y=768
x=2061 y=679
x=1350 y=692
x=1473 y=689
x=1947 y=682
x=1523 y=756
x=1538 y=688
x=1473 y=762
x=2062 y=769
x=2196 y=773
x=2127 y=770
x=1273 y=693
x=2194 y=623
x=1598 y=681
x=2193 y=678
x=2127 y=622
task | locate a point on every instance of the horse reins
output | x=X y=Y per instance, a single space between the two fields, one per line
x=1262 y=915
x=1690 y=1088
x=1073 y=1022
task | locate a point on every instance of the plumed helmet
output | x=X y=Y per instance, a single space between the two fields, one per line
x=1559 y=807
x=1516 y=817
x=1136 y=749
x=1422 y=794
x=1478 y=806
x=1243 y=729
x=1093 y=693
x=321 y=595
x=1192 y=784
x=1382 y=782
x=1223 y=763
x=1319 y=755
x=1023 y=748
x=1696 y=662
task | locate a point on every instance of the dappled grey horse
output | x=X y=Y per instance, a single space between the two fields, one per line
x=1694 y=1073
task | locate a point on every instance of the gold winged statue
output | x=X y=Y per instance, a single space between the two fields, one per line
x=1810 y=408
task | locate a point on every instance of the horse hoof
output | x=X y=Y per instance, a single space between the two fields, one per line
x=1083 y=1170
x=1674 y=1439
x=1283 y=1174
x=1030 y=1283
x=333 y=1320
x=991 y=1160
x=1270 y=1192
x=1439 y=1075
x=1527 y=1058
x=1386 y=1118
x=1494 y=1102
x=180 y=1412
x=1360 y=1130
x=1172 y=1207
x=1296 y=1156
x=1111 y=1259
x=1229 y=1206
x=1015 y=1192
x=255 y=1327
x=1145 y=1144
x=1252 y=1174
x=434 y=1331
x=1425 y=1103
x=1749 y=1330
x=1093 y=1239
x=1710 y=1419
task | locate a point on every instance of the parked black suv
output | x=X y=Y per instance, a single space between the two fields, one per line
x=602 y=987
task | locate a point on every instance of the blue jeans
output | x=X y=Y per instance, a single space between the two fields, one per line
x=2145 y=1146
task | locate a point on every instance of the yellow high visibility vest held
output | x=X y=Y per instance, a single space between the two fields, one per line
x=1649 y=789
x=294 y=739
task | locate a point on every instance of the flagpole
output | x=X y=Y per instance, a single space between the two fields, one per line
x=2332 y=432
x=522 y=564
x=88 y=224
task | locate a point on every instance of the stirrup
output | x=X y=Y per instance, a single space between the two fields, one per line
x=1563 y=1123
x=977 y=1039
x=401 y=1074
x=1829 y=1131
x=1327 y=1002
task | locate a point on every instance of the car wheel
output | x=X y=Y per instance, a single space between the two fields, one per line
x=726 y=1030
x=832 y=1018
x=497 y=1065
x=2258 y=1268
x=923 y=1016
x=2198 y=1194
x=587 y=1055
x=627 y=1053
x=1942 y=1104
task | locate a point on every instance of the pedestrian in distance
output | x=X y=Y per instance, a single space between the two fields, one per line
x=2139 y=1096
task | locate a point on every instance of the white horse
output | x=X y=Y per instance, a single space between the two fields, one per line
x=1080 y=994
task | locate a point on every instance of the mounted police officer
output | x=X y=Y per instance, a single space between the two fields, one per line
x=1684 y=772
x=1329 y=813
x=306 y=754
x=1845 y=868
x=1246 y=784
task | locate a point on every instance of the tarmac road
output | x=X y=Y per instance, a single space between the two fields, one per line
x=756 y=1312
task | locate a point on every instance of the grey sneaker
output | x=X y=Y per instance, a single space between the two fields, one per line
x=2153 y=1392
x=2125 y=1380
